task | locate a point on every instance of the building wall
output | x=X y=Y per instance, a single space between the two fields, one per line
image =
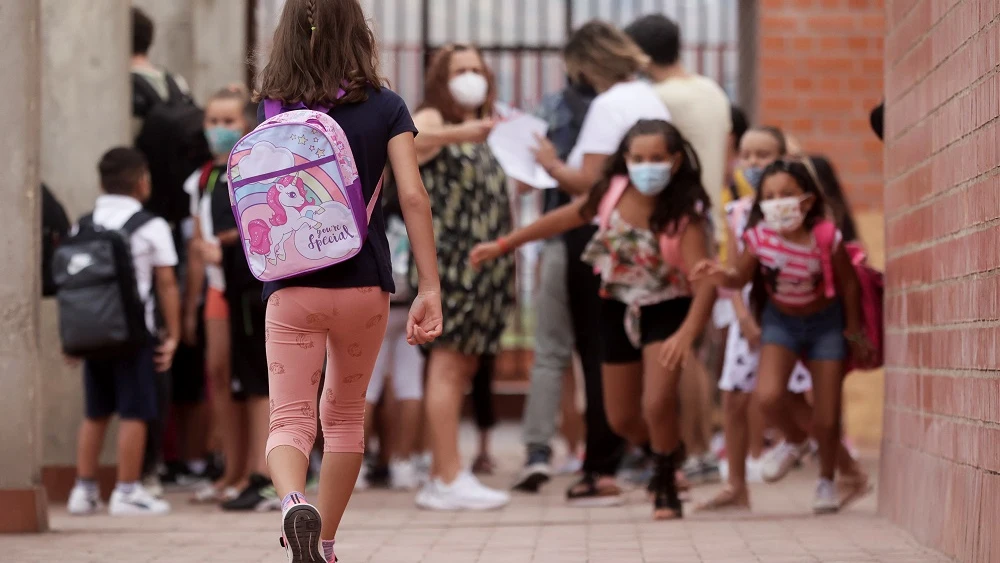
x=819 y=76
x=943 y=391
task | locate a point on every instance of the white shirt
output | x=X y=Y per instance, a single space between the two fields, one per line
x=611 y=115
x=201 y=210
x=152 y=244
x=701 y=113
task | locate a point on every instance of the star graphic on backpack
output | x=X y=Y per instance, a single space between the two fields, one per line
x=312 y=148
x=303 y=140
x=320 y=152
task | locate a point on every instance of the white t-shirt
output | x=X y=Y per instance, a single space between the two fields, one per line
x=701 y=113
x=611 y=115
x=201 y=210
x=152 y=244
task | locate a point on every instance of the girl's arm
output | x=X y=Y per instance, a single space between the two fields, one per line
x=694 y=244
x=849 y=288
x=748 y=324
x=578 y=182
x=555 y=222
x=194 y=283
x=416 y=208
x=436 y=134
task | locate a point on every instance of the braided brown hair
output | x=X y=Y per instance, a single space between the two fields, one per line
x=319 y=48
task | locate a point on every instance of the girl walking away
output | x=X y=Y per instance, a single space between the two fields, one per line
x=654 y=224
x=325 y=56
x=807 y=297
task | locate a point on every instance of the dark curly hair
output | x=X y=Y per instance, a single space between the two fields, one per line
x=684 y=193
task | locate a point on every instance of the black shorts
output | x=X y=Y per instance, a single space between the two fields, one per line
x=249 y=355
x=126 y=385
x=657 y=323
x=188 y=370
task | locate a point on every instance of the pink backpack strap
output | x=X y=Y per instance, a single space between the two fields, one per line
x=374 y=200
x=825 y=232
x=670 y=245
x=616 y=188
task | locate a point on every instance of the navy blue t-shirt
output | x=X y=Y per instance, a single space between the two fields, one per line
x=369 y=126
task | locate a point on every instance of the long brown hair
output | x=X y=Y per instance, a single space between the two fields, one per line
x=319 y=48
x=436 y=92
x=603 y=50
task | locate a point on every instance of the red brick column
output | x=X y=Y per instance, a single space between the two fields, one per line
x=819 y=76
x=940 y=473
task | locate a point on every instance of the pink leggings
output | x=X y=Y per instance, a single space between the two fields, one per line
x=304 y=325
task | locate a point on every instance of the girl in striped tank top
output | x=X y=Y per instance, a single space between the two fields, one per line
x=800 y=315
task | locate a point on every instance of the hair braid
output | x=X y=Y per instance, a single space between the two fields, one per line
x=310 y=15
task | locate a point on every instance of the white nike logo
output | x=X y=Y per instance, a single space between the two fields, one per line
x=78 y=263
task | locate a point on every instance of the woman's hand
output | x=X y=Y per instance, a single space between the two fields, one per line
x=750 y=331
x=545 y=153
x=485 y=252
x=476 y=131
x=674 y=350
x=425 y=319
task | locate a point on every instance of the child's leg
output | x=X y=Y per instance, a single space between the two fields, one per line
x=623 y=401
x=571 y=425
x=482 y=402
x=295 y=352
x=755 y=428
x=353 y=346
x=131 y=446
x=660 y=389
x=776 y=364
x=827 y=383
x=89 y=442
x=736 y=406
x=448 y=374
x=408 y=383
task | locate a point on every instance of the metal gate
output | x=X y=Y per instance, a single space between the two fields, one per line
x=522 y=39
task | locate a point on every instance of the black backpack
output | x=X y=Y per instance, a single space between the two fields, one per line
x=100 y=311
x=172 y=138
x=55 y=227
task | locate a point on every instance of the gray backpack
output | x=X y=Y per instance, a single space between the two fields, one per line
x=100 y=311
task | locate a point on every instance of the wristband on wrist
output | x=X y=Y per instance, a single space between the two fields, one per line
x=502 y=243
x=857 y=337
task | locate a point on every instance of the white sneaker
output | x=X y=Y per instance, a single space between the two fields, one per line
x=403 y=475
x=781 y=459
x=83 y=502
x=754 y=470
x=464 y=493
x=153 y=485
x=138 y=502
x=827 y=499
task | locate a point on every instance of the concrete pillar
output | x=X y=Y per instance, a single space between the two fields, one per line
x=86 y=104
x=220 y=46
x=173 y=40
x=22 y=498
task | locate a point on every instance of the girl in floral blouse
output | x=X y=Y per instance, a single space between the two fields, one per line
x=653 y=213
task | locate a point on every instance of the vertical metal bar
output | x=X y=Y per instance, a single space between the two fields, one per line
x=702 y=15
x=747 y=37
x=251 y=43
x=569 y=17
x=425 y=30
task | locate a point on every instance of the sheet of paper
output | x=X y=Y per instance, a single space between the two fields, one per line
x=512 y=141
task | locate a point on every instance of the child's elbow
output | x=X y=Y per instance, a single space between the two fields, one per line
x=414 y=197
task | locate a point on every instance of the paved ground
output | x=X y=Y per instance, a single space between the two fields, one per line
x=384 y=527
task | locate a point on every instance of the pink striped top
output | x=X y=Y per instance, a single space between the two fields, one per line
x=792 y=272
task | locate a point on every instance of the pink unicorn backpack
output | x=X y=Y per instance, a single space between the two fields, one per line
x=296 y=194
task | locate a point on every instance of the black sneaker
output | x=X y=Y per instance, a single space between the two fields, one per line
x=259 y=496
x=537 y=471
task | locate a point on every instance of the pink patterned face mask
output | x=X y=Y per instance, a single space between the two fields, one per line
x=783 y=214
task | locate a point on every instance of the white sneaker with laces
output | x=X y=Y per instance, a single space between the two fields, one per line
x=137 y=502
x=464 y=493
x=403 y=475
x=83 y=501
x=827 y=499
x=780 y=459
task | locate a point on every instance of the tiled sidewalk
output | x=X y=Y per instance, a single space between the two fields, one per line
x=384 y=527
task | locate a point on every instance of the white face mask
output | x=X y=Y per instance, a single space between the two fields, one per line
x=784 y=214
x=469 y=89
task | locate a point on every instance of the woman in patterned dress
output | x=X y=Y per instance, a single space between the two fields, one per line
x=469 y=201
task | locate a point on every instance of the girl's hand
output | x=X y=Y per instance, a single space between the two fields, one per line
x=425 y=319
x=861 y=349
x=750 y=331
x=210 y=252
x=545 y=153
x=485 y=252
x=674 y=350
x=708 y=269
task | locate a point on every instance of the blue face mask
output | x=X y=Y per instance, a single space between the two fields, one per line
x=221 y=140
x=650 y=178
x=753 y=176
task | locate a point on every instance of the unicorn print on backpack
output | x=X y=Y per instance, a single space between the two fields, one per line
x=296 y=194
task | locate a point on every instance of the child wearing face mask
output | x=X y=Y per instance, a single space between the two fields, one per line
x=225 y=123
x=653 y=215
x=807 y=297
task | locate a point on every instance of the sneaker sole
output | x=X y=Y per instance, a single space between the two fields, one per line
x=820 y=510
x=301 y=527
x=531 y=483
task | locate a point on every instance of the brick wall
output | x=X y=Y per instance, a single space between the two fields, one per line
x=819 y=75
x=940 y=475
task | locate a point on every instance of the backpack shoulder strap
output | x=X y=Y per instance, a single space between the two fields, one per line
x=374 y=200
x=135 y=222
x=86 y=221
x=616 y=188
x=825 y=232
x=174 y=92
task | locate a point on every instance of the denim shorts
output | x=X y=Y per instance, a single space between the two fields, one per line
x=819 y=336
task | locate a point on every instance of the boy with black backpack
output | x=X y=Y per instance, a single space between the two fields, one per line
x=105 y=273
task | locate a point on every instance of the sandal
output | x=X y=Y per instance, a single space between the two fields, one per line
x=588 y=492
x=727 y=498
x=666 y=501
x=483 y=465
